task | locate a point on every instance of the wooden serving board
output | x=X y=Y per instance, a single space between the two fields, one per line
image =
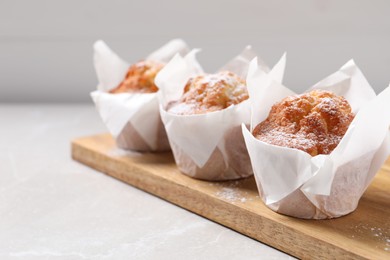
x=364 y=233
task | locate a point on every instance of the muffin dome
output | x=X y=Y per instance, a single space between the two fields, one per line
x=313 y=122
x=140 y=78
x=210 y=92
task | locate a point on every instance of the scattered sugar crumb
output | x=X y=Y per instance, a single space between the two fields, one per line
x=228 y=194
x=381 y=235
x=233 y=195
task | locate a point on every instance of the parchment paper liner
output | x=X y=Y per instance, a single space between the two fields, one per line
x=132 y=119
x=292 y=182
x=207 y=146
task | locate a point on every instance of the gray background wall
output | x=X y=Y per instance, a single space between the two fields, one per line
x=46 y=45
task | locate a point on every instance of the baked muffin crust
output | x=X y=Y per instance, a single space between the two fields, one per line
x=210 y=92
x=140 y=78
x=313 y=122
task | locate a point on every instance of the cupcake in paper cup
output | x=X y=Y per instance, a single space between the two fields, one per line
x=202 y=114
x=314 y=154
x=126 y=96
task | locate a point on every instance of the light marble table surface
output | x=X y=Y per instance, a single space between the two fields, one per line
x=54 y=208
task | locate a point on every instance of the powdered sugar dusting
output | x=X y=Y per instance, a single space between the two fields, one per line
x=313 y=122
x=379 y=234
x=232 y=193
x=210 y=92
x=228 y=194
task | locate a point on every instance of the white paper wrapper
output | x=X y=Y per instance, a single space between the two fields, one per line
x=132 y=119
x=292 y=182
x=208 y=146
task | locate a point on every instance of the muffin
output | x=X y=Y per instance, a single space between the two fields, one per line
x=140 y=78
x=207 y=93
x=210 y=92
x=311 y=155
x=126 y=96
x=313 y=122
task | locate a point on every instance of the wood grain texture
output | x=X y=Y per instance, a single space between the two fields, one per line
x=363 y=234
